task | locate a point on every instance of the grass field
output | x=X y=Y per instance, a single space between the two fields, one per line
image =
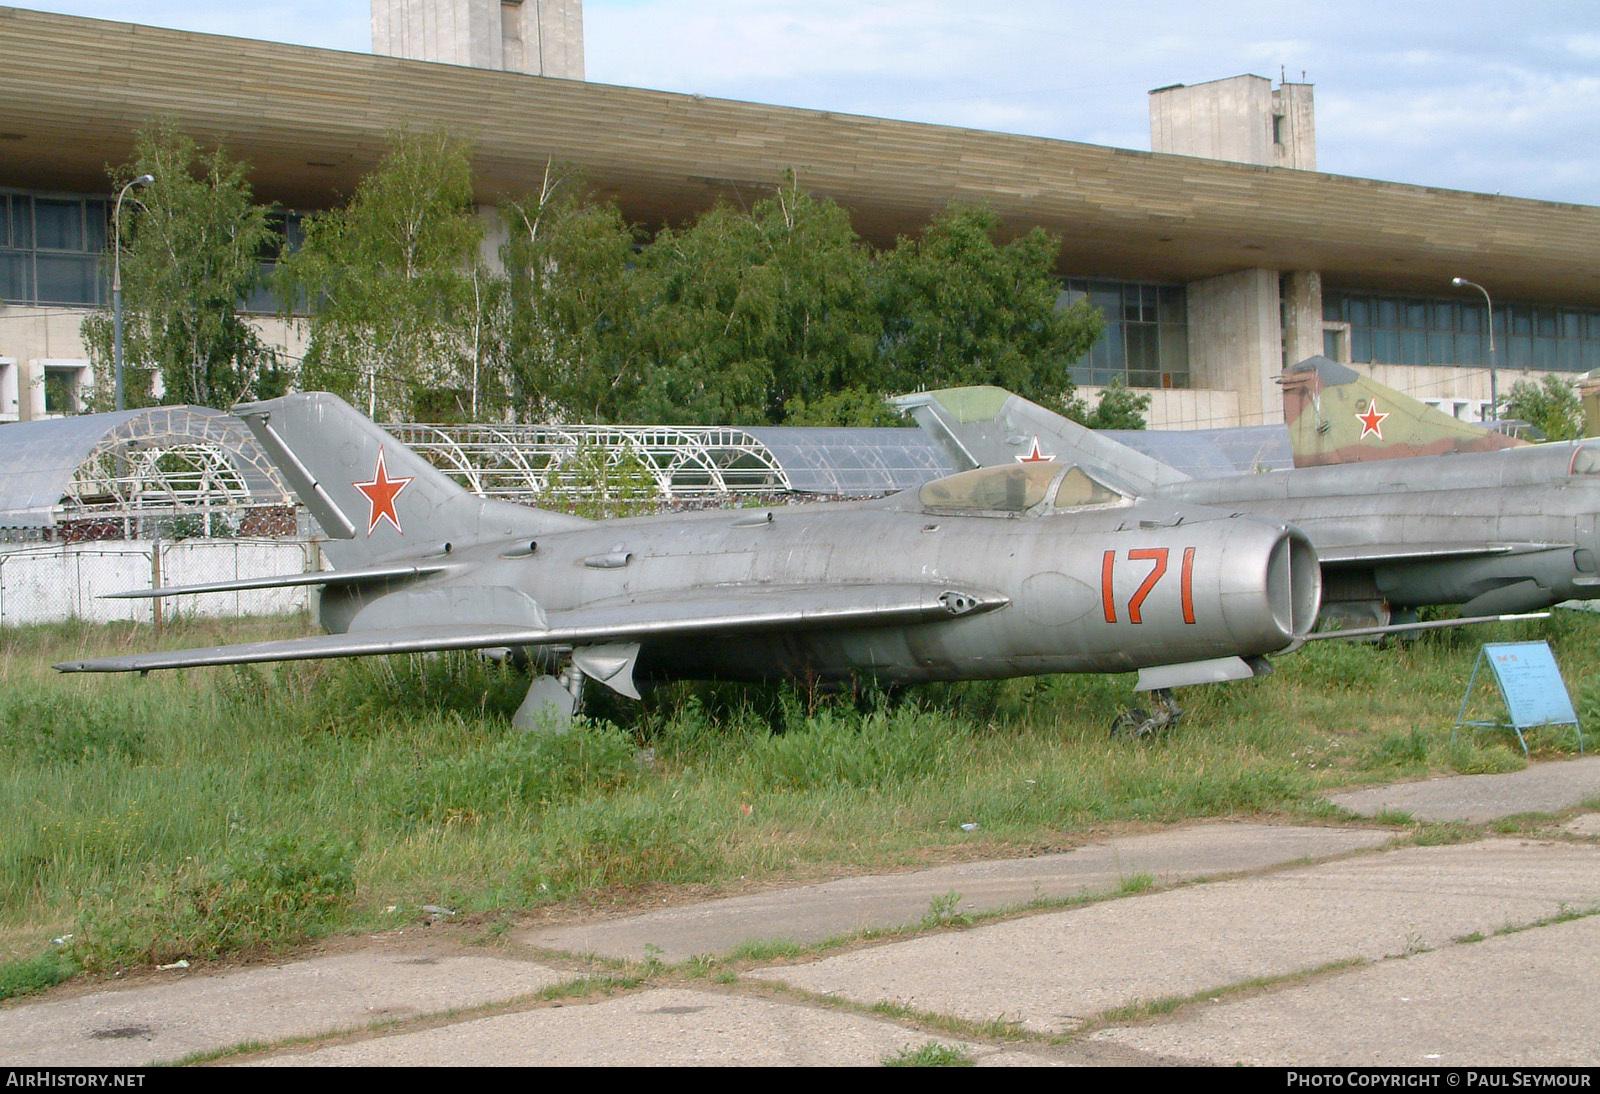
x=216 y=812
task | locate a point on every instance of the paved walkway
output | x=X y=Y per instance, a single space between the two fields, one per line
x=1540 y=788
x=1215 y=943
x=816 y=913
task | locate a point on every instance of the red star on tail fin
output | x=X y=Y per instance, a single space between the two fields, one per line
x=1372 y=420
x=381 y=492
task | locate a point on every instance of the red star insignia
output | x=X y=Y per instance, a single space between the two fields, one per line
x=1372 y=420
x=1035 y=456
x=381 y=492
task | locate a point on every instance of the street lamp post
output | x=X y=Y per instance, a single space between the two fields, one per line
x=1494 y=391
x=116 y=279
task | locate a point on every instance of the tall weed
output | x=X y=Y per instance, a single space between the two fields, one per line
x=63 y=729
x=520 y=771
x=265 y=893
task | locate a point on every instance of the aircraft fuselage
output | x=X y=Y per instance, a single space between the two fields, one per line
x=1536 y=506
x=1109 y=590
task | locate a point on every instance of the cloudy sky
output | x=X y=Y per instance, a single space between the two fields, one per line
x=1467 y=94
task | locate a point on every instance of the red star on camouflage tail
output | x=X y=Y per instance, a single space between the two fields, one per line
x=381 y=492
x=1372 y=420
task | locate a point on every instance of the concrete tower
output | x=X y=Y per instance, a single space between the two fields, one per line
x=538 y=37
x=1246 y=326
x=1242 y=118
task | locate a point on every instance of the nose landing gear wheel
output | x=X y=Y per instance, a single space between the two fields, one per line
x=1138 y=723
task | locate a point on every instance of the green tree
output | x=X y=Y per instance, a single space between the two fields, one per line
x=1117 y=408
x=779 y=313
x=1551 y=406
x=566 y=325
x=854 y=407
x=742 y=312
x=398 y=294
x=958 y=309
x=191 y=246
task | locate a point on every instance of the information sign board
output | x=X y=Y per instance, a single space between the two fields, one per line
x=1530 y=684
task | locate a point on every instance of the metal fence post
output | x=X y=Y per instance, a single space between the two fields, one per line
x=155 y=583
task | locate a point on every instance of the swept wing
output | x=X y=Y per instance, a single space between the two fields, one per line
x=721 y=609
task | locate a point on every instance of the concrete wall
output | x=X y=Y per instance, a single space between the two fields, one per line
x=1447 y=386
x=35 y=338
x=1236 y=341
x=1181 y=408
x=1238 y=337
x=1242 y=118
x=32 y=339
x=1302 y=315
x=68 y=581
x=1220 y=120
x=537 y=37
x=1295 y=109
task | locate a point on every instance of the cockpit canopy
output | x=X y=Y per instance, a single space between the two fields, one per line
x=1036 y=487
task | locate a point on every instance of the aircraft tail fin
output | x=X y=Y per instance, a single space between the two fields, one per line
x=1337 y=415
x=989 y=426
x=374 y=497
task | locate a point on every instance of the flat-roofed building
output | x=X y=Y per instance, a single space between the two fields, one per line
x=1212 y=273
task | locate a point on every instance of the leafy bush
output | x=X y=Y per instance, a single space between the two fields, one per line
x=68 y=729
x=527 y=769
x=840 y=748
x=262 y=894
x=34 y=974
x=1399 y=750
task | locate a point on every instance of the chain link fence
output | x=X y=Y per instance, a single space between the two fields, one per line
x=66 y=581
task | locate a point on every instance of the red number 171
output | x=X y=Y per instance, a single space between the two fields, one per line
x=1157 y=555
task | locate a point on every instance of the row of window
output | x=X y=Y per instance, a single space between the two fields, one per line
x=51 y=248
x=1146 y=340
x=1395 y=330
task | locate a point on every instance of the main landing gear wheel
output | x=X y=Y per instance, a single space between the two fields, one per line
x=1138 y=723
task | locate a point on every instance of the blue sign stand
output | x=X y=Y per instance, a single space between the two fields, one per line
x=1530 y=685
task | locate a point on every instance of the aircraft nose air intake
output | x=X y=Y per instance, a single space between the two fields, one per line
x=1294 y=584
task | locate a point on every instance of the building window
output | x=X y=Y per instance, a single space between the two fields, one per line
x=1146 y=340
x=1394 y=330
x=50 y=248
x=288 y=232
x=64 y=384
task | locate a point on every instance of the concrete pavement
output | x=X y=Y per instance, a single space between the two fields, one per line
x=816 y=913
x=1209 y=943
x=1541 y=788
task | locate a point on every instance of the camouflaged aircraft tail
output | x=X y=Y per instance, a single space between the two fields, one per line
x=1337 y=415
x=375 y=498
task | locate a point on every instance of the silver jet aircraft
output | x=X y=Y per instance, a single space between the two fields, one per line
x=1504 y=531
x=1005 y=571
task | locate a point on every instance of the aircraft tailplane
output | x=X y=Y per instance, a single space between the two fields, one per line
x=375 y=498
x=1336 y=415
